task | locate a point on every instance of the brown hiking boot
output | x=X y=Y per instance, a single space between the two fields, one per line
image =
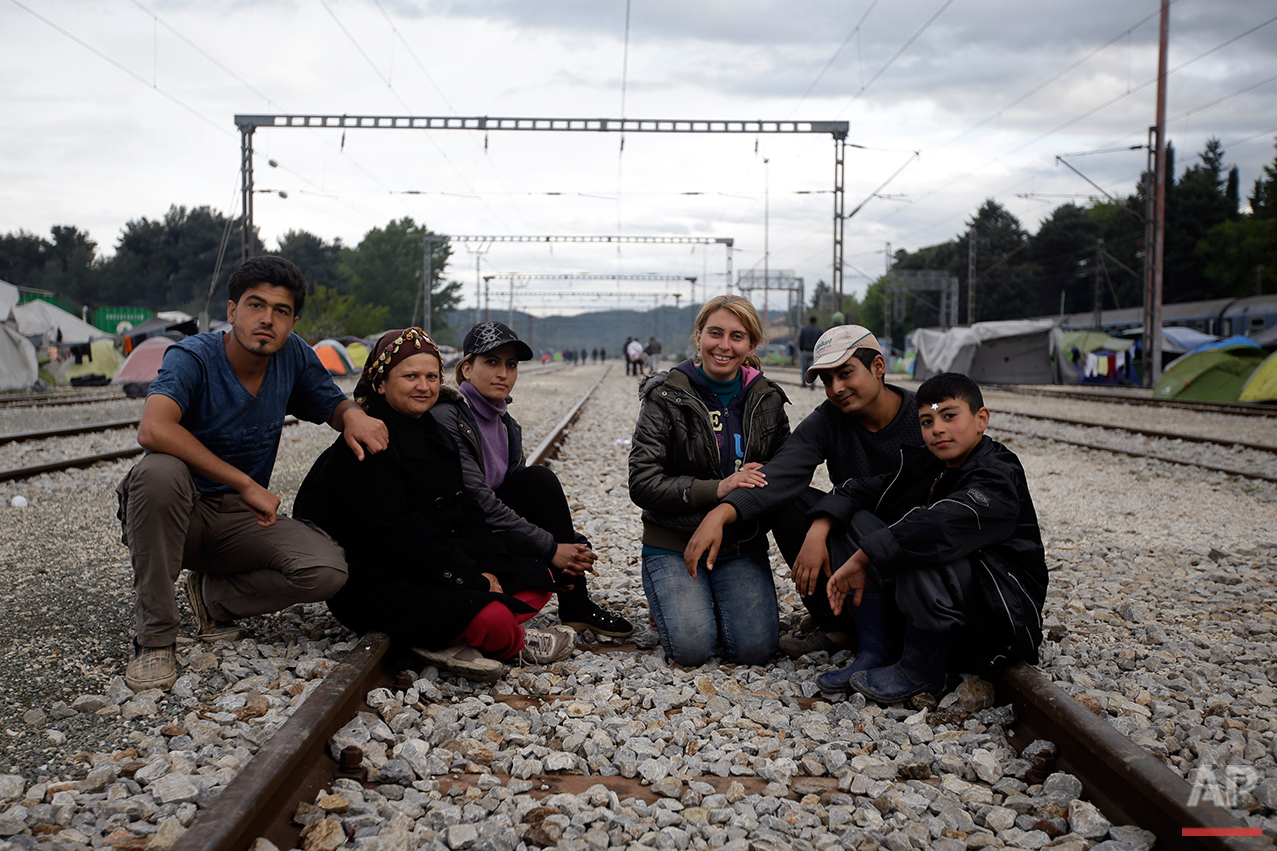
x=152 y=667
x=208 y=629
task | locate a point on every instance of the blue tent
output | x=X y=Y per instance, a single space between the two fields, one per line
x=1229 y=342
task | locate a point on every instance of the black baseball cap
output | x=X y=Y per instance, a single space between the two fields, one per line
x=487 y=336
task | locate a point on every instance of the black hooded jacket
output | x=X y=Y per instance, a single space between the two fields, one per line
x=981 y=511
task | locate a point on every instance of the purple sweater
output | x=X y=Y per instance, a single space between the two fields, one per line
x=493 y=439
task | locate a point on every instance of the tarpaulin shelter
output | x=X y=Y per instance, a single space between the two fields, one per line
x=88 y=363
x=144 y=362
x=334 y=357
x=1016 y=351
x=1228 y=342
x=9 y=296
x=1262 y=384
x=55 y=325
x=1178 y=340
x=18 y=366
x=1215 y=375
x=1095 y=357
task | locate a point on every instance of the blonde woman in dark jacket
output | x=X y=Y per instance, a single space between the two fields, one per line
x=704 y=429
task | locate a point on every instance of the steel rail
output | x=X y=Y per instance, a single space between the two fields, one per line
x=1146 y=432
x=69 y=464
x=1101 y=395
x=19 y=473
x=1127 y=783
x=58 y=399
x=69 y=431
x=1135 y=453
x=1244 y=409
x=294 y=764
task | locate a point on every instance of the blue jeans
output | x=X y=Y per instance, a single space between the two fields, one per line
x=735 y=603
x=805 y=360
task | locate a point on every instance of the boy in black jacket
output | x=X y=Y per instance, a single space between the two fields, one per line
x=950 y=550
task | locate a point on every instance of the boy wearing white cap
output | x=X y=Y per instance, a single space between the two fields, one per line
x=858 y=431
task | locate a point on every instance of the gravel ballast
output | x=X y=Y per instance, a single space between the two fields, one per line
x=1160 y=617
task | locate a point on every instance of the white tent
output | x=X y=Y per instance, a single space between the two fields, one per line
x=8 y=299
x=40 y=317
x=18 y=369
x=1014 y=351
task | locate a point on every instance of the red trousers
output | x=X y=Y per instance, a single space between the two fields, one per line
x=496 y=630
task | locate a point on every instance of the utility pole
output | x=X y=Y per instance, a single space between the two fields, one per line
x=886 y=296
x=1153 y=347
x=478 y=253
x=428 y=242
x=1098 y=295
x=766 y=235
x=971 y=252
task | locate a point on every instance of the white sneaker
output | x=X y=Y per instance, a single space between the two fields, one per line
x=463 y=660
x=543 y=646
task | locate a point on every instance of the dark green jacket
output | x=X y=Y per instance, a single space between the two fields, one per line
x=674 y=459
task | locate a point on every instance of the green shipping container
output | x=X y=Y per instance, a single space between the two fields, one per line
x=120 y=320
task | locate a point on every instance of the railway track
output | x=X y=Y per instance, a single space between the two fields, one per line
x=1221 y=443
x=1127 y=783
x=295 y=763
x=1129 y=398
x=81 y=461
x=52 y=399
x=1121 y=396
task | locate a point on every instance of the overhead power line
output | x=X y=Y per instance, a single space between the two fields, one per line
x=846 y=41
x=966 y=175
x=897 y=55
x=1048 y=81
x=148 y=83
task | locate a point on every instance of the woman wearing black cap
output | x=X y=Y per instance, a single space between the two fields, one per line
x=526 y=505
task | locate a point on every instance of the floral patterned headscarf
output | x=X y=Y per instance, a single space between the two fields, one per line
x=393 y=347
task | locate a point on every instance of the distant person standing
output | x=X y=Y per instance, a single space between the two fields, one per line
x=594 y=355
x=584 y=355
x=653 y=351
x=806 y=346
x=634 y=353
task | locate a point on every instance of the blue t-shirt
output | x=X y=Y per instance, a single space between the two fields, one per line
x=236 y=426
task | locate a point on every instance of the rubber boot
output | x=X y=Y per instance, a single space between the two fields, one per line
x=879 y=629
x=921 y=669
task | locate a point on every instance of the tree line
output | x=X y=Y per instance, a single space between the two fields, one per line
x=1213 y=250
x=168 y=263
x=1084 y=254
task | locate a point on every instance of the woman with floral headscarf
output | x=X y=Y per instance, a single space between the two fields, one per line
x=423 y=566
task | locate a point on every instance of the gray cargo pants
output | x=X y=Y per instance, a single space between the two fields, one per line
x=170 y=524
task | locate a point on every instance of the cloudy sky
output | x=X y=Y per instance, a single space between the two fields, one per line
x=115 y=109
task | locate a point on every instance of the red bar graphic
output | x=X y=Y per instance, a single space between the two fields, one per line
x=1222 y=831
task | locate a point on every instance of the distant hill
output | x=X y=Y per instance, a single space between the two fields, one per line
x=606 y=329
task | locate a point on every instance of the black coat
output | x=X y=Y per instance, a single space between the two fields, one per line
x=416 y=545
x=982 y=511
x=675 y=465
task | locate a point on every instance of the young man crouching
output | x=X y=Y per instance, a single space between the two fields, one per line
x=951 y=555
